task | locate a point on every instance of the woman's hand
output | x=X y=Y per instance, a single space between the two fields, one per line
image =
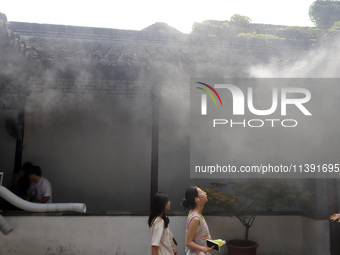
x=208 y=249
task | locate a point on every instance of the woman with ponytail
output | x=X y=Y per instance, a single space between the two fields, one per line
x=159 y=224
x=197 y=231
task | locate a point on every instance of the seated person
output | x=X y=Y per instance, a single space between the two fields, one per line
x=40 y=189
x=21 y=181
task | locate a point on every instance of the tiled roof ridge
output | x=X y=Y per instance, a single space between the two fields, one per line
x=79 y=32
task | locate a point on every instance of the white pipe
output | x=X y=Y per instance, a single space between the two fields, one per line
x=5 y=228
x=35 y=207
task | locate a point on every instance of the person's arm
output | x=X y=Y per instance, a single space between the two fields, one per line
x=193 y=226
x=47 y=191
x=18 y=177
x=29 y=193
x=154 y=250
x=44 y=200
x=156 y=235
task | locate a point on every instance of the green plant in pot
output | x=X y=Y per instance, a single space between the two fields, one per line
x=248 y=198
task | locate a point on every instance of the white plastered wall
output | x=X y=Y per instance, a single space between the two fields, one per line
x=129 y=235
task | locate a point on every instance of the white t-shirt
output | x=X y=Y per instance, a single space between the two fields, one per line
x=41 y=189
x=160 y=237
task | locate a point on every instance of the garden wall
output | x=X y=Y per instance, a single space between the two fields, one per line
x=129 y=235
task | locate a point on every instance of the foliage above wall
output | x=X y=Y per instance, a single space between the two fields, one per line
x=240 y=20
x=333 y=29
x=262 y=36
x=324 y=13
x=264 y=31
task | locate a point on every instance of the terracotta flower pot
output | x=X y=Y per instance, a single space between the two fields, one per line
x=236 y=247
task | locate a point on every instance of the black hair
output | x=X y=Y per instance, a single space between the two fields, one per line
x=26 y=165
x=190 y=194
x=34 y=170
x=159 y=202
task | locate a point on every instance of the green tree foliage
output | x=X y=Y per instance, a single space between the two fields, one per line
x=241 y=26
x=299 y=33
x=324 y=13
x=256 y=35
x=240 y=20
x=333 y=29
x=236 y=25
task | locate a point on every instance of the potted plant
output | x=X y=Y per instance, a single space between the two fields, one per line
x=246 y=199
x=335 y=217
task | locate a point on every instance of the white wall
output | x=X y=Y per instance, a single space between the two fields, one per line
x=129 y=235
